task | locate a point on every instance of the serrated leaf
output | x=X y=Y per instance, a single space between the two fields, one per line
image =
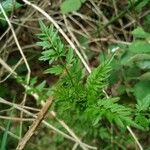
x=104 y=133
x=47 y=55
x=33 y=81
x=97 y=79
x=119 y=122
x=141 y=89
x=142 y=121
x=139 y=46
x=70 y=6
x=51 y=43
x=98 y=118
x=50 y=55
x=140 y=33
x=57 y=69
x=42 y=26
x=45 y=44
x=69 y=56
x=129 y=121
x=41 y=86
x=10 y=5
x=144 y=104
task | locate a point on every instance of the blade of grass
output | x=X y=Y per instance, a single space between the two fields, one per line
x=5 y=136
x=6 y=133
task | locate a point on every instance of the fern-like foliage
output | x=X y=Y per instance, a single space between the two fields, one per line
x=79 y=99
x=97 y=81
x=51 y=43
x=143 y=110
x=112 y=111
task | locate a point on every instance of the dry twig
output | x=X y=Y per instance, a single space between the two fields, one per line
x=35 y=124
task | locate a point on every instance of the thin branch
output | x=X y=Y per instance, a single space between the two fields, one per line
x=16 y=119
x=74 y=38
x=7 y=67
x=23 y=56
x=35 y=124
x=34 y=116
x=1 y=37
x=17 y=42
x=135 y=138
x=15 y=67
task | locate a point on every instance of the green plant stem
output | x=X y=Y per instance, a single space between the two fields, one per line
x=61 y=61
x=67 y=71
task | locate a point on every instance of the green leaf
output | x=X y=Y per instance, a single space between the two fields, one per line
x=118 y=121
x=140 y=33
x=147 y=22
x=5 y=136
x=98 y=118
x=145 y=76
x=10 y=5
x=142 y=4
x=110 y=110
x=69 y=57
x=41 y=86
x=139 y=46
x=143 y=64
x=144 y=104
x=138 y=57
x=104 y=133
x=57 y=69
x=83 y=1
x=142 y=121
x=70 y=5
x=33 y=81
x=141 y=89
x=142 y=61
x=51 y=43
x=121 y=90
x=47 y=55
x=96 y=81
x=42 y=26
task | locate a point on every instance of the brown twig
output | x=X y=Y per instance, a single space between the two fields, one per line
x=16 y=118
x=35 y=124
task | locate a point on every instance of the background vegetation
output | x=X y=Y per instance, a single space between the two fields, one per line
x=90 y=59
